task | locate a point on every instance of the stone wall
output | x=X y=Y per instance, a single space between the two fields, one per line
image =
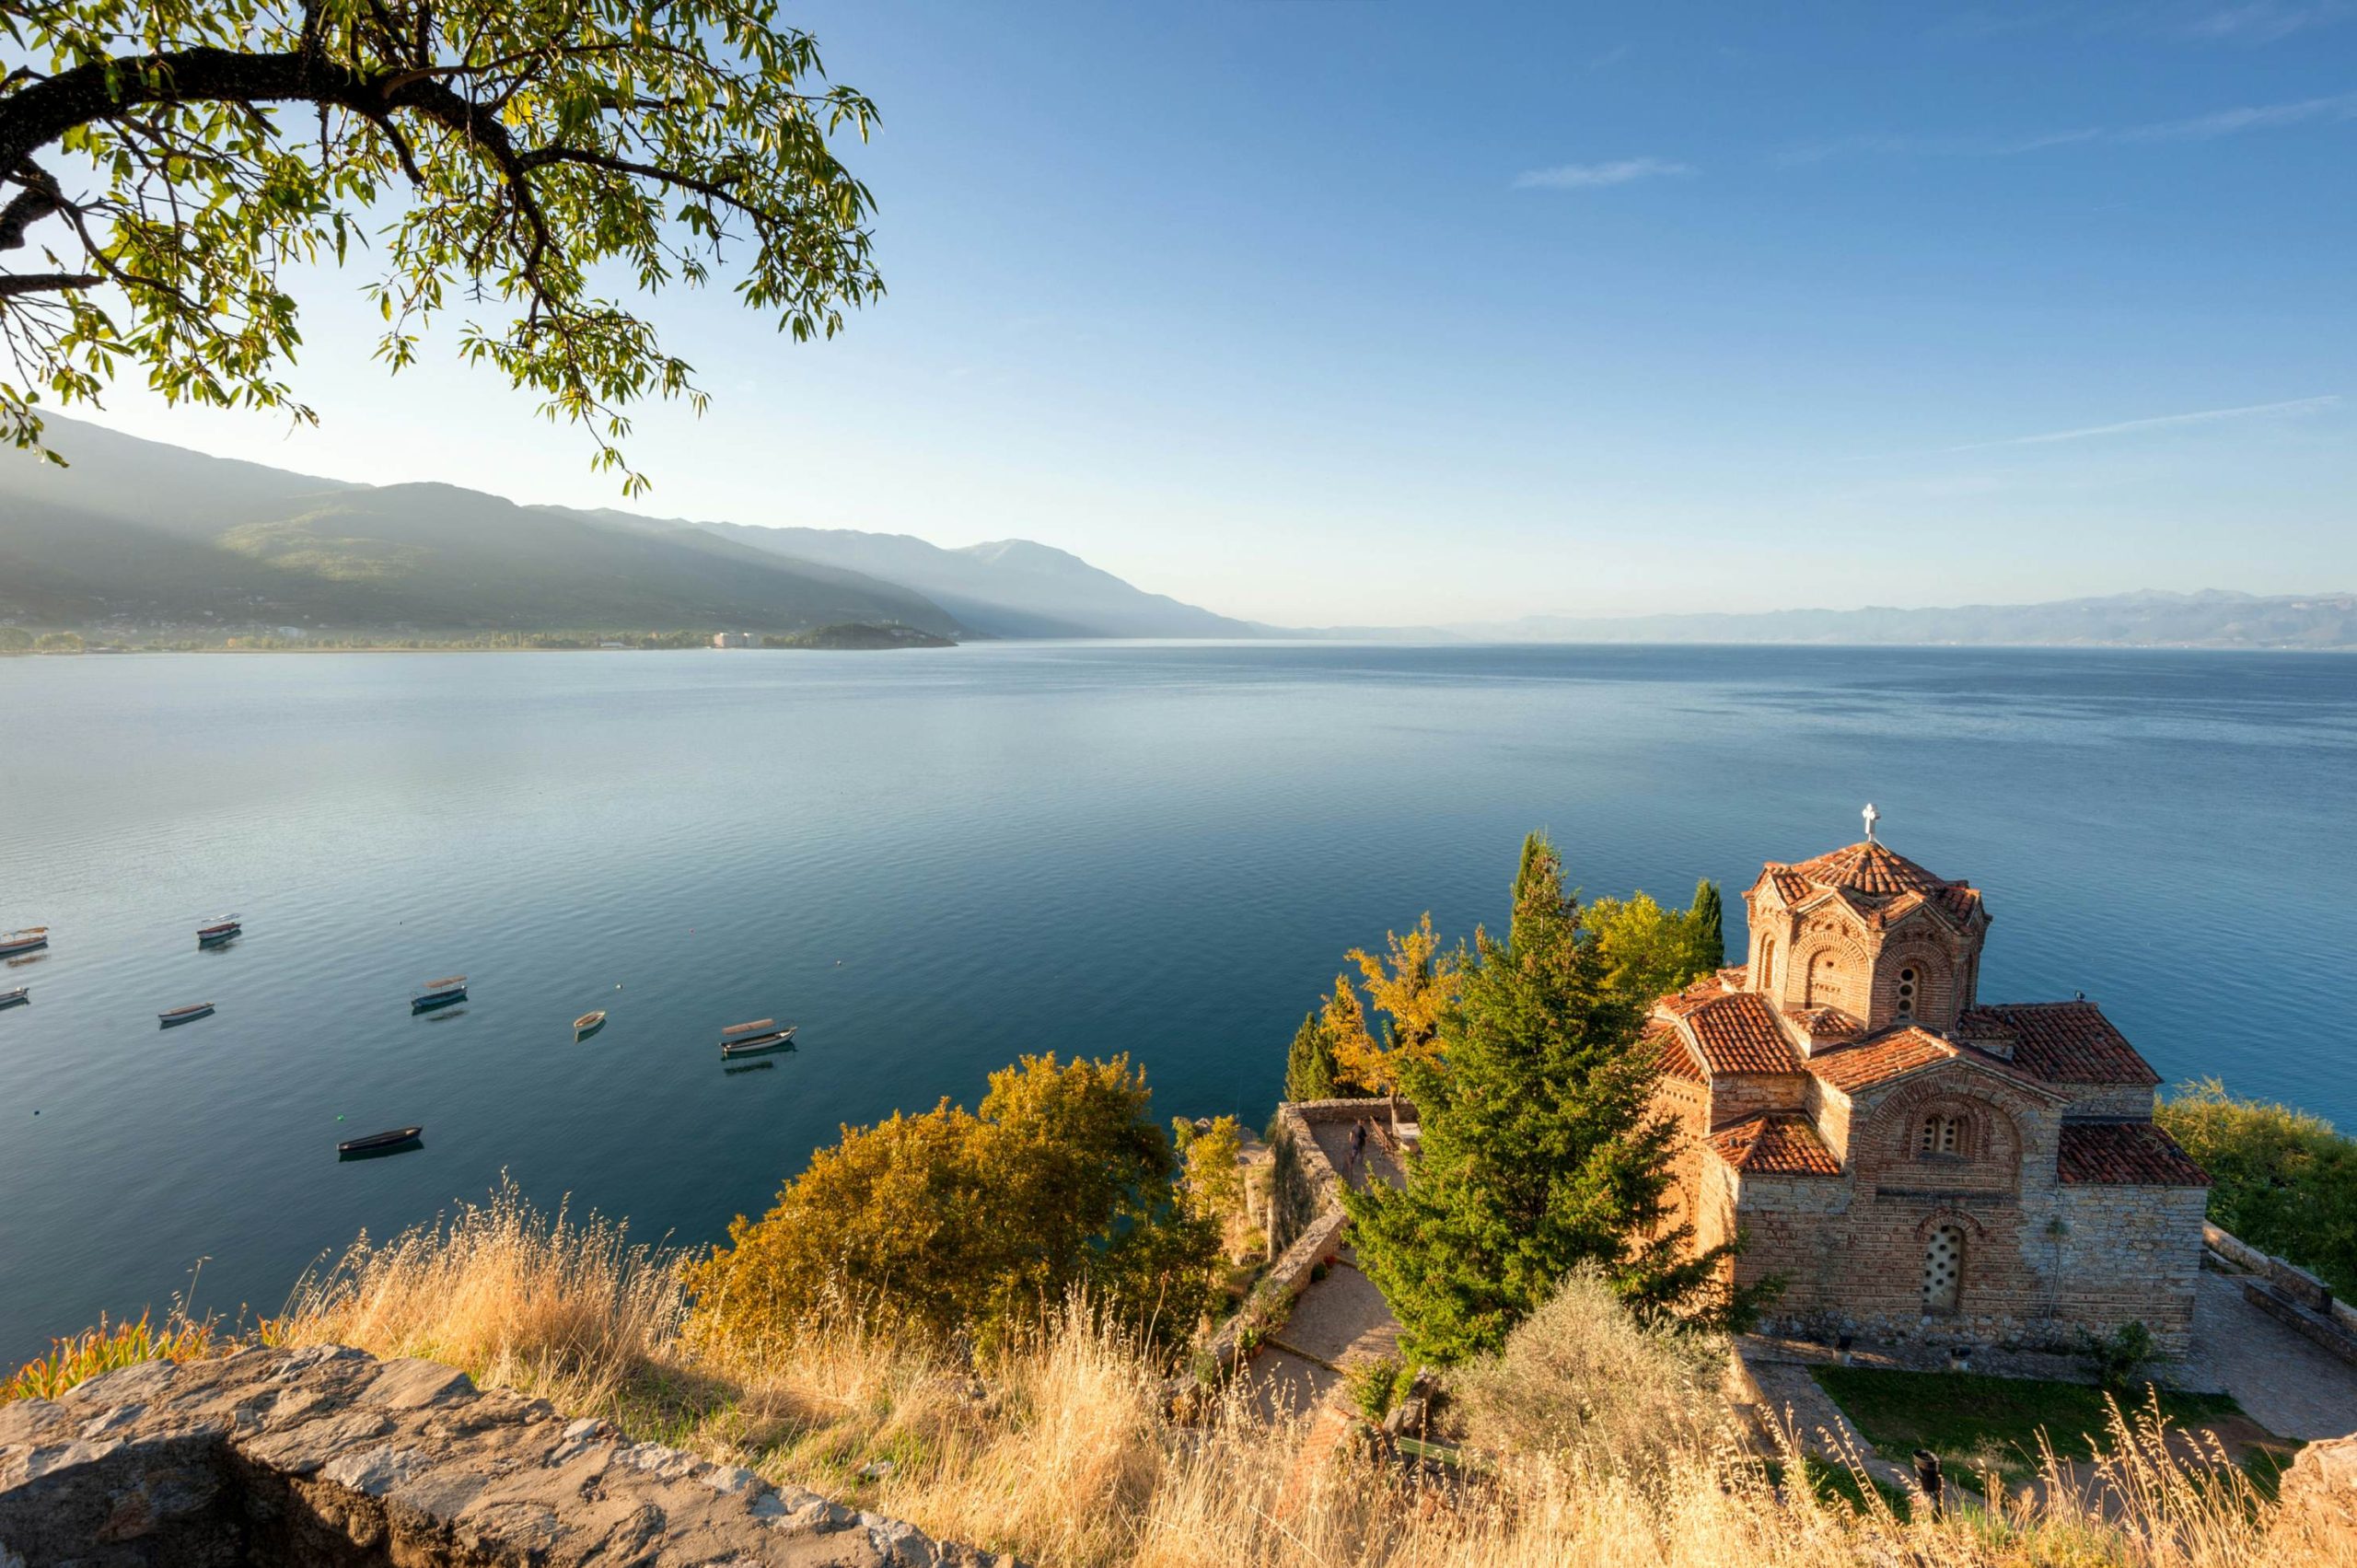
x=329 y=1457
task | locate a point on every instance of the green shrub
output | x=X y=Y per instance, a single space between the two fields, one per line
x=2113 y=1358
x=2282 y=1179
x=1377 y=1383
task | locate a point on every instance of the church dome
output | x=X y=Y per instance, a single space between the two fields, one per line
x=1871 y=867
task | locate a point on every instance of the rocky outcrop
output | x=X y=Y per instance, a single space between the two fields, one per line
x=329 y=1456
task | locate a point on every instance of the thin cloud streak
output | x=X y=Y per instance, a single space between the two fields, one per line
x=2332 y=109
x=2127 y=426
x=1589 y=176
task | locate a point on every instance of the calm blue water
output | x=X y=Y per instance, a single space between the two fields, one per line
x=937 y=861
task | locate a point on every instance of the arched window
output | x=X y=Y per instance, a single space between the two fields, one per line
x=1823 y=981
x=1905 y=995
x=1767 y=964
x=1943 y=1268
x=1941 y=1136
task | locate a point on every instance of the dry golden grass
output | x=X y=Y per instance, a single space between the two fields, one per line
x=103 y=1349
x=1059 y=1448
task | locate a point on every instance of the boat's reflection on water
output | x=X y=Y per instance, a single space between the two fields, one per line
x=734 y=1067
x=445 y=1016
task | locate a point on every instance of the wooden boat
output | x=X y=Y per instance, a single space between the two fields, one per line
x=754 y=1045
x=11 y=998
x=218 y=930
x=380 y=1143
x=588 y=1023
x=738 y=1031
x=24 y=941
x=187 y=1015
x=439 y=993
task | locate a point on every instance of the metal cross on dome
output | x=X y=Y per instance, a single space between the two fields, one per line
x=1871 y=817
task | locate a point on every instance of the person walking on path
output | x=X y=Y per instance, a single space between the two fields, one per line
x=1358 y=1146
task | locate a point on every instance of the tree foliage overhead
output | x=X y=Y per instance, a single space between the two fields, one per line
x=163 y=163
x=1541 y=1150
x=954 y=1221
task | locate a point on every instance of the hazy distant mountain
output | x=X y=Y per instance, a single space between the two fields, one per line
x=138 y=532
x=1011 y=587
x=142 y=532
x=2212 y=618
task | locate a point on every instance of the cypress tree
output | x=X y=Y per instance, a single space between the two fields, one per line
x=1540 y=1149
x=1708 y=918
x=1309 y=1064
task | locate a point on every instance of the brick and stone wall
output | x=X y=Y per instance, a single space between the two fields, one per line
x=327 y=1457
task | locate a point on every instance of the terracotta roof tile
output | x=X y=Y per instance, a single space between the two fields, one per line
x=1670 y=1052
x=1894 y=1053
x=1737 y=1032
x=2125 y=1154
x=2062 y=1042
x=1776 y=1144
x=1870 y=867
x=1877 y=881
x=1825 y=1024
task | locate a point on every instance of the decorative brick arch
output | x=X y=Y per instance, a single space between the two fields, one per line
x=1845 y=958
x=1932 y=997
x=1990 y=1144
x=1963 y=1219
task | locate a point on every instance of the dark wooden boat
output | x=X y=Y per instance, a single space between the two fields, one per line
x=380 y=1143
x=219 y=930
x=23 y=941
x=187 y=1015
x=439 y=993
x=738 y=1031
x=754 y=1045
x=11 y=998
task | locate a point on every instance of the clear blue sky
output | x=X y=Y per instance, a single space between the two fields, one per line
x=1376 y=312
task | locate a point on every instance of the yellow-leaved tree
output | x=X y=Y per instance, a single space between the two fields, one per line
x=1414 y=983
x=954 y=1221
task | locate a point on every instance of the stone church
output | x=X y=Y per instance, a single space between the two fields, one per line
x=1913 y=1161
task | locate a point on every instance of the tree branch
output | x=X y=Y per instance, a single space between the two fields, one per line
x=12 y=285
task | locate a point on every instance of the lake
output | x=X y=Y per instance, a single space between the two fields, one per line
x=938 y=861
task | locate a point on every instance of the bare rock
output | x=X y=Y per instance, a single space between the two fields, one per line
x=326 y=1456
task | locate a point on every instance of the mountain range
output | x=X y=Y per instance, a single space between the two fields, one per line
x=139 y=533
x=2213 y=618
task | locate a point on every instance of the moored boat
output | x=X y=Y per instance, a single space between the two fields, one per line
x=187 y=1015
x=24 y=941
x=380 y=1143
x=439 y=993
x=738 y=1031
x=219 y=929
x=11 y=998
x=589 y=1024
x=755 y=1044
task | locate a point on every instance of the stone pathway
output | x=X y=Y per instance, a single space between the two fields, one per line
x=2289 y=1384
x=1339 y=1320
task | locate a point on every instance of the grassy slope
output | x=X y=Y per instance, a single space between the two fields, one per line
x=1971 y=1418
